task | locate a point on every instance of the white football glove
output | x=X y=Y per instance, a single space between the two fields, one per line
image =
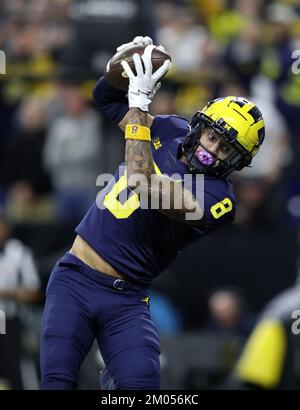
x=144 y=85
x=137 y=41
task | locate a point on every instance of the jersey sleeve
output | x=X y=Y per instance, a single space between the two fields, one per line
x=167 y=127
x=218 y=209
x=216 y=198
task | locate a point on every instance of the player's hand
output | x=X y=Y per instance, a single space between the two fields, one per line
x=143 y=86
x=137 y=41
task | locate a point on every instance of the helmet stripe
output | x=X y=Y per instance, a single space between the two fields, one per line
x=255 y=114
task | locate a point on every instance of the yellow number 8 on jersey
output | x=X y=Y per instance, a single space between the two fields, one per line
x=221 y=208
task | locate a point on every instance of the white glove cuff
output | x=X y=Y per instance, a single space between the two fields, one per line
x=138 y=99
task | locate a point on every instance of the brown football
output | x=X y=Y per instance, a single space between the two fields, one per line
x=115 y=74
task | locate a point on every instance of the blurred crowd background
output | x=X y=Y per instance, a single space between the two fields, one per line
x=54 y=143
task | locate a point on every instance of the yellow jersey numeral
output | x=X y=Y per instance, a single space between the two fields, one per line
x=221 y=208
x=119 y=210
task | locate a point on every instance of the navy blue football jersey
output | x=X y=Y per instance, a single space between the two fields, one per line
x=141 y=243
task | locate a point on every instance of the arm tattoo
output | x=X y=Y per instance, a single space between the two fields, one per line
x=138 y=155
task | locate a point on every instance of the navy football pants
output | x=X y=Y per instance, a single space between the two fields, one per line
x=83 y=304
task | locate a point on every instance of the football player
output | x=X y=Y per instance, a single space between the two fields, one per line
x=100 y=288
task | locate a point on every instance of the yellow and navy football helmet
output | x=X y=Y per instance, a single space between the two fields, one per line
x=235 y=119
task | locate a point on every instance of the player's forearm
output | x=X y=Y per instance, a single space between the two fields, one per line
x=169 y=197
x=174 y=200
x=138 y=155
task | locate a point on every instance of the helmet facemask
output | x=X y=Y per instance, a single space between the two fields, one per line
x=201 y=160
